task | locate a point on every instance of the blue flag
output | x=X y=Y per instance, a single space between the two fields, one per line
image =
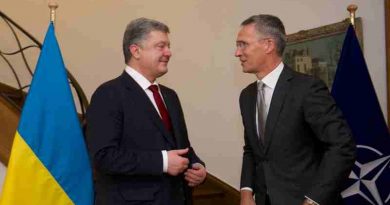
x=49 y=163
x=354 y=93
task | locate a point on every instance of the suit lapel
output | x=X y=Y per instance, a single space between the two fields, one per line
x=281 y=89
x=141 y=100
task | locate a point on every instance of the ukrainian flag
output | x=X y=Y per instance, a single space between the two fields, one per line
x=49 y=163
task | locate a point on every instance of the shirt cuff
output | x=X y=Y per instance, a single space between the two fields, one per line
x=165 y=160
x=311 y=201
x=198 y=164
x=247 y=189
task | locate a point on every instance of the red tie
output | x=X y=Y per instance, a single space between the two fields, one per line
x=161 y=107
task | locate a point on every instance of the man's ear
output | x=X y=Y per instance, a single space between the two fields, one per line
x=270 y=46
x=134 y=50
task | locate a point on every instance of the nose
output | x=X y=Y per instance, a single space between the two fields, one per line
x=238 y=52
x=168 y=52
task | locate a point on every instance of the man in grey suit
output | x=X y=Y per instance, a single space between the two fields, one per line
x=298 y=148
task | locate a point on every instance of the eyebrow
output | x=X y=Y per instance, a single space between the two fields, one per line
x=165 y=42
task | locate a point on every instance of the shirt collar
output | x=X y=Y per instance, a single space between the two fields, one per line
x=271 y=79
x=139 y=78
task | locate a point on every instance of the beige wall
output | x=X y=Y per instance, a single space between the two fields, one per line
x=203 y=69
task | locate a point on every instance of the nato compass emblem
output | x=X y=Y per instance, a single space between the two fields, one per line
x=369 y=181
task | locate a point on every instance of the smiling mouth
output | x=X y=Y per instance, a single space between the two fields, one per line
x=164 y=60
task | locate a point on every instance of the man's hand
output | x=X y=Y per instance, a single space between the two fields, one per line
x=247 y=198
x=309 y=202
x=176 y=163
x=196 y=175
x=305 y=202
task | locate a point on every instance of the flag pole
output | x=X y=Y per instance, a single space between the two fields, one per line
x=53 y=6
x=352 y=10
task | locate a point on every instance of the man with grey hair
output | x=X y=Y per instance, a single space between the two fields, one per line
x=136 y=132
x=298 y=148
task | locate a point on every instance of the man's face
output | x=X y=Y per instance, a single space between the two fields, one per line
x=154 y=54
x=251 y=49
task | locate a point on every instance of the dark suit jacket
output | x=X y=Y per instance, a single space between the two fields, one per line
x=308 y=149
x=125 y=136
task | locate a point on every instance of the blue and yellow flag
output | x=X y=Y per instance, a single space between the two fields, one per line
x=354 y=93
x=49 y=163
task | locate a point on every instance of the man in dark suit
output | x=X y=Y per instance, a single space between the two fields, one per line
x=136 y=133
x=298 y=148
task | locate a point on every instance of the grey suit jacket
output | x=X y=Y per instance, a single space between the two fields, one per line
x=308 y=149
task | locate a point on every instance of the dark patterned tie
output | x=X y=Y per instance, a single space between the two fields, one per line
x=261 y=110
x=161 y=107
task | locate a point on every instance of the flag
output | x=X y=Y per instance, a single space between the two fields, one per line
x=354 y=93
x=49 y=163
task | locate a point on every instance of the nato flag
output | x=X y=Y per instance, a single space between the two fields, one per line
x=354 y=93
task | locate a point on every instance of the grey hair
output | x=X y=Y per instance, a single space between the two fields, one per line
x=269 y=25
x=137 y=31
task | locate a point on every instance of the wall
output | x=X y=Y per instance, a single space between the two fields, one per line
x=203 y=69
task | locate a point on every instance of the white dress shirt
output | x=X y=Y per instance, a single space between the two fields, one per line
x=269 y=82
x=144 y=83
